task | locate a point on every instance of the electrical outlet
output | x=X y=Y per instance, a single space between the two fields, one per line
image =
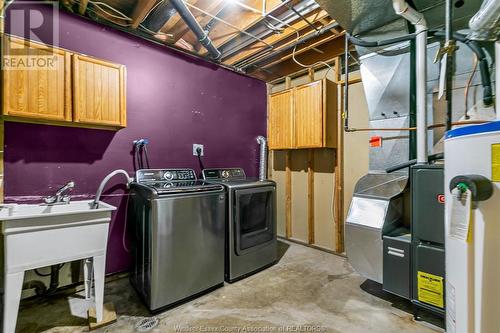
x=195 y=148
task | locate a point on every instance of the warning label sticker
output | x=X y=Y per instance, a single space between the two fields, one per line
x=430 y=289
x=495 y=162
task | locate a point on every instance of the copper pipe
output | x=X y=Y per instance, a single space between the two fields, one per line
x=433 y=126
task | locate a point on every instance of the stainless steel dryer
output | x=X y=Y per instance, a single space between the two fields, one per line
x=178 y=231
x=251 y=243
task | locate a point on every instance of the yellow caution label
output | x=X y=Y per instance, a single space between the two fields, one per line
x=430 y=289
x=495 y=162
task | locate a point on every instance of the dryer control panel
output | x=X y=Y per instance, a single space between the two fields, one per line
x=229 y=173
x=156 y=175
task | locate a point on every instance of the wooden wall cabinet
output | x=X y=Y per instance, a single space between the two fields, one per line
x=304 y=117
x=280 y=120
x=79 y=90
x=41 y=93
x=99 y=92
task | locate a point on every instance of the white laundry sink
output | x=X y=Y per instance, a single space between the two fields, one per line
x=36 y=236
x=10 y=212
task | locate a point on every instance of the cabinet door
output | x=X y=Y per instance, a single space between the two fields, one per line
x=41 y=92
x=280 y=126
x=99 y=92
x=309 y=115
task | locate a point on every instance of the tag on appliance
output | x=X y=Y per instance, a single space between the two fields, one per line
x=461 y=205
x=442 y=75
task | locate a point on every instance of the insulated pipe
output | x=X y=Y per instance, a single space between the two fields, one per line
x=417 y=19
x=364 y=43
x=191 y=22
x=263 y=157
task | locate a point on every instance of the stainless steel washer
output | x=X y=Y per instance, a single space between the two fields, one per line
x=178 y=230
x=251 y=243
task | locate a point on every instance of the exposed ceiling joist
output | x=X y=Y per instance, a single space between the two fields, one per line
x=276 y=39
x=251 y=38
x=183 y=32
x=286 y=65
x=141 y=9
x=82 y=8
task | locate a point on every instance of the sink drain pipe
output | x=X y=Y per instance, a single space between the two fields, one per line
x=417 y=19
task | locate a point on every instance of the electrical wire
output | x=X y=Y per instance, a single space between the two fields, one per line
x=308 y=66
x=467 y=87
x=151 y=10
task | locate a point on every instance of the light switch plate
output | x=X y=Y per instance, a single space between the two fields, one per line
x=195 y=147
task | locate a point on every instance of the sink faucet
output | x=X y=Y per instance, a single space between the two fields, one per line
x=98 y=194
x=60 y=196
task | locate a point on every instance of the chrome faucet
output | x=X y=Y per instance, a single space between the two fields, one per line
x=60 y=196
x=95 y=203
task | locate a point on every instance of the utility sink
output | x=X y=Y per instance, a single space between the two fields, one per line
x=35 y=236
x=10 y=212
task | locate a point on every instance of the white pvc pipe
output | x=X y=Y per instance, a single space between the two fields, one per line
x=417 y=19
x=497 y=78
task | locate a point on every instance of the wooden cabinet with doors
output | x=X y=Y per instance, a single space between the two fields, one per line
x=99 y=92
x=78 y=89
x=42 y=92
x=280 y=120
x=304 y=117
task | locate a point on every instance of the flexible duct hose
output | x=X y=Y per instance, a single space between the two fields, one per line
x=263 y=157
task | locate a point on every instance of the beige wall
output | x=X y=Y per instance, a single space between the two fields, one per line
x=356 y=165
x=356 y=144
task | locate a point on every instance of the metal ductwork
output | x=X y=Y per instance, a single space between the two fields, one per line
x=377 y=19
x=485 y=25
x=263 y=157
x=159 y=16
x=191 y=22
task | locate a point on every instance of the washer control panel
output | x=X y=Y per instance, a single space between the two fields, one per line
x=149 y=175
x=217 y=174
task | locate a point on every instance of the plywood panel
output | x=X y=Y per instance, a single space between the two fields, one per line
x=324 y=223
x=299 y=196
x=99 y=92
x=280 y=120
x=42 y=92
x=279 y=176
x=355 y=143
x=309 y=115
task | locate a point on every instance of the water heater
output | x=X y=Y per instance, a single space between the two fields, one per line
x=473 y=261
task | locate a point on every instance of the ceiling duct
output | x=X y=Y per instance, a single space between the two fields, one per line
x=159 y=16
x=376 y=18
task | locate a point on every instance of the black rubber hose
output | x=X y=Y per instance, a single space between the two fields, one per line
x=409 y=163
x=54 y=279
x=484 y=67
x=39 y=287
x=200 y=161
x=364 y=43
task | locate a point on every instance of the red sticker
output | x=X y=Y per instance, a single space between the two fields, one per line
x=376 y=141
x=441 y=198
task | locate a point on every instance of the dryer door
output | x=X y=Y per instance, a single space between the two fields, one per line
x=254 y=218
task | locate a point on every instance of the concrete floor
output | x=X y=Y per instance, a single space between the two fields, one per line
x=308 y=289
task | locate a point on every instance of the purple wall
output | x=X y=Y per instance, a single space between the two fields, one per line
x=173 y=100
